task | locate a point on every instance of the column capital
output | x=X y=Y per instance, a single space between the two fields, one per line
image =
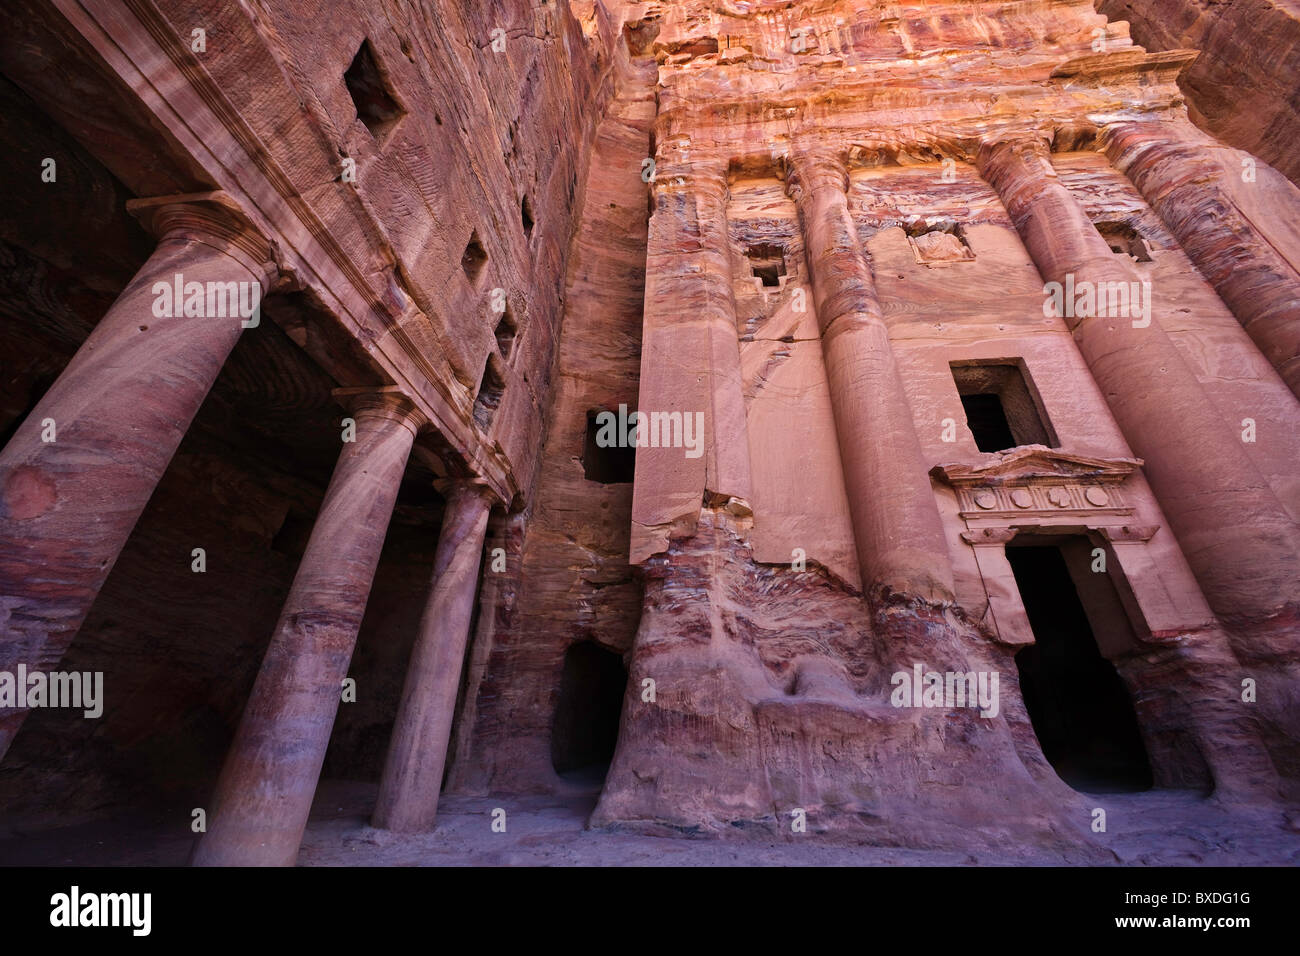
x=385 y=402
x=210 y=217
x=1025 y=145
x=810 y=169
x=1162 y=127
x=1133 y=144
x=710 y=178
x=1016 y=164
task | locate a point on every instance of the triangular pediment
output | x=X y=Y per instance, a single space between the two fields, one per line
x=1031 y=462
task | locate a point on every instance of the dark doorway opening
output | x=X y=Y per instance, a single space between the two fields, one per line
x=1077 y=702
x=585 y=731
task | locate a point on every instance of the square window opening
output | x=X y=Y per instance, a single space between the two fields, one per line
x=766 y=263
x=604 y=457
x=1002 y=406
x=376 y=106
x=490 y=392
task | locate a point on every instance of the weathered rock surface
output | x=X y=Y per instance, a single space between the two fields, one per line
x=882 y=247
x=825 y=231
x=1242 y=87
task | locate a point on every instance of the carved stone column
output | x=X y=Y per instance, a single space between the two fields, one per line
x=417 y=753
x=900 y=540
x=265 y=791
x=690 y=361
x=79 y=471
x=1236 y=535
x=1239 y=223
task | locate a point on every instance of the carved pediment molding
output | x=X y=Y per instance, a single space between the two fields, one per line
x=1038 y=482
x=1033 y=463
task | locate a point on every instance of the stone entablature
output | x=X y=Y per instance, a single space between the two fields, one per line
x=1039 y=484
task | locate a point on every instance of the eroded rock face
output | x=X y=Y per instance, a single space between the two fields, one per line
x=1242 y=86
x=773 y=687
x=567 y=578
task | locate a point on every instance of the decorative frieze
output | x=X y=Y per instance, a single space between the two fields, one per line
x=1039 y=482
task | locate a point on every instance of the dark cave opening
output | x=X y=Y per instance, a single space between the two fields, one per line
x=585 y=731
x=1078 y=705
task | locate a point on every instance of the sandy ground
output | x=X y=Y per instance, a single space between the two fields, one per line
x=1167 y=828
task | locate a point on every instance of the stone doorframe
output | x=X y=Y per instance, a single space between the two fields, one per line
x=1040 y=490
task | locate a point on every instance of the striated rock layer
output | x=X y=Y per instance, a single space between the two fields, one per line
x=1242 y=88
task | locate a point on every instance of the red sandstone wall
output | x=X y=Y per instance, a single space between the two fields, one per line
x=1242 y=88
x=574 y=583
x=772 y=678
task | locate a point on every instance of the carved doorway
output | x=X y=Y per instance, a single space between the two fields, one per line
x=585 y=731
x=1080 y=708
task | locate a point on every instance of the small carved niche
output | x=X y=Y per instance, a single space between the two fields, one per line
x=473 y=259
x=1124 y=240
x=506 y=330
x=490 y=392
x=526 y=217
x=766 y=263
x=938 y=243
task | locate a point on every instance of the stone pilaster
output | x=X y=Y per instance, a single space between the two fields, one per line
x=417 y=753
x=900 y=540
x=690 y=362
x=1005 y=606
x=76 y=476
x=265 y=791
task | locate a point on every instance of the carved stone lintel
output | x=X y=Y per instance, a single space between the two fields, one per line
x=989 y=536
x=1134 y=533
x=1036 y=462
x=1034 y=481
